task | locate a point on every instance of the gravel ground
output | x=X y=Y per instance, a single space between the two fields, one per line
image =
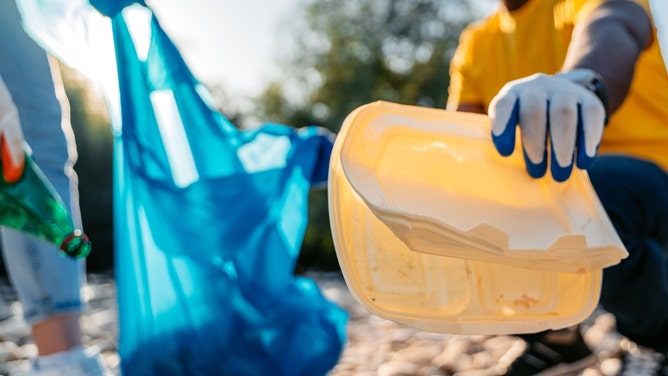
x=375 y=346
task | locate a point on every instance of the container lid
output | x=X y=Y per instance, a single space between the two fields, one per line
x=434 y=178
x=436 y=286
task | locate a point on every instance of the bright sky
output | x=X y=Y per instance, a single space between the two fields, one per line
x=234 y=43
x=227 y=42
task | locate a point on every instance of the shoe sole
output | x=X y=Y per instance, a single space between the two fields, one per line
x=563 y=369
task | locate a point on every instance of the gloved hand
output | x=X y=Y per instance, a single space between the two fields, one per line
x=557 y=109
x=11 y=137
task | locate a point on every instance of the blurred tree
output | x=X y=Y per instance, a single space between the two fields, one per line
x=352 y=52
x=88 y=114
x=349 y=53
x=94 y=140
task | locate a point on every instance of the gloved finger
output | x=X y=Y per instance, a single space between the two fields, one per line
x=590 y=131
x=563 y=115
x=534 y=124
x=504 y=114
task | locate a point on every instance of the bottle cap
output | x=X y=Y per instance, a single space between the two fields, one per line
x=76 y=245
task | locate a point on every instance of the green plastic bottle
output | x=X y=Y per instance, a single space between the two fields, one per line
x=31 y=205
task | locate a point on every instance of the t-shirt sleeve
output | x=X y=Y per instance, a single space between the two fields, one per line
x=583 y=7
x=462 y=88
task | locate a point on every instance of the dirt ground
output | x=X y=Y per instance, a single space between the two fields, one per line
x=375 y=346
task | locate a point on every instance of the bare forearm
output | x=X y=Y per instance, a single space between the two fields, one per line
x=609 y=42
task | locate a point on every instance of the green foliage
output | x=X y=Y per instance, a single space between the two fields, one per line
x=349 y=53
x=352 y=52
x=88 y=114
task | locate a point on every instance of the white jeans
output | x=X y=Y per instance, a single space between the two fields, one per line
x=46 y=282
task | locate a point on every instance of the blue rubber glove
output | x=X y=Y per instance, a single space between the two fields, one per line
x=558 y=111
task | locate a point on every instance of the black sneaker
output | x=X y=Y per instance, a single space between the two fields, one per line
x=642 y=361
x=548 y=359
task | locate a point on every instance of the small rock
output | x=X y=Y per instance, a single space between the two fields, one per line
x=14 y=329
x=397 y=368
x=9 y=352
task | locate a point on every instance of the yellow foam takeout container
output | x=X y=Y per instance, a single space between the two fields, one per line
x=435 y=230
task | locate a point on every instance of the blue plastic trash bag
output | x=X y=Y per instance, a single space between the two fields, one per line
x=209 y=222
x=208 y=219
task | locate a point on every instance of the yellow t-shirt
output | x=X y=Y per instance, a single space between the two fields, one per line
x=509 y=45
